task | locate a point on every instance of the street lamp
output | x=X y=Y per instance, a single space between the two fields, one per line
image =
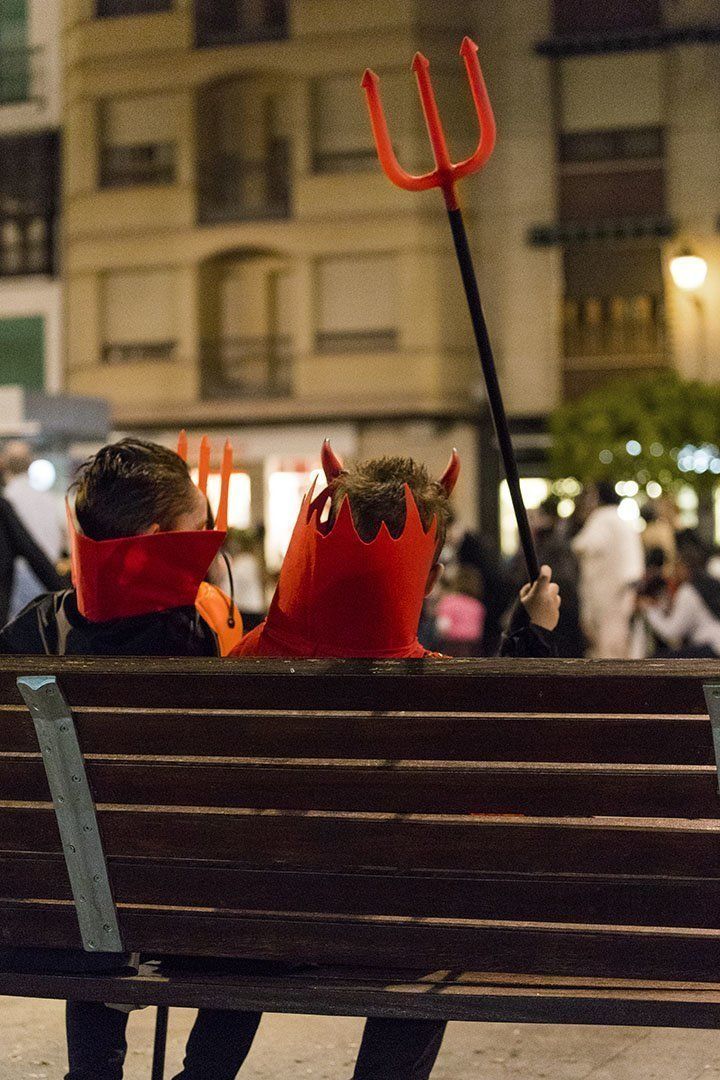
x=688 y=271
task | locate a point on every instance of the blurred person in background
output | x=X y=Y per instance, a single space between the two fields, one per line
x=469 y=549
x=697 y=556
x=610 y=554
x=655 y=584
x=460 y=615
x=658 y=532
x=39 y=513
x=679 y=616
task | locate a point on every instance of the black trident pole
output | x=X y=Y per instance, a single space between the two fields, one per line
x=497 y=406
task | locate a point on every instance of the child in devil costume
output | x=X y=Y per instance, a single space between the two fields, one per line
x=140 y=553
x=362 y=557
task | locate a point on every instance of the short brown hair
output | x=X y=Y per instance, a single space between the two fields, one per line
x=129 y=486
x=376 y=491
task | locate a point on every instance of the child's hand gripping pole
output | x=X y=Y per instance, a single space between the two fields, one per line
x=445 y=176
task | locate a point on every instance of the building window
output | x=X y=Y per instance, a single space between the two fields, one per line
x=342 y=138
x=112 y=8
x=611 y=145
x=22 y=352
x=28 y=201
x=607 y=175
x=576 y=17
x=235 y=22
x=248 y=349
x=15 y=74
x=139 y=316
x=245 y=160
x=613 y=314
x=138 y=141
x=357 y=305
x=612 y=91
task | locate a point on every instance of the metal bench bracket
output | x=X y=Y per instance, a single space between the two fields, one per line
x=75 y=812
x=712 y=697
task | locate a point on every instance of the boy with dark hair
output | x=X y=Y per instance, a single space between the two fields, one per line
x=140 y=551
x=363 y=555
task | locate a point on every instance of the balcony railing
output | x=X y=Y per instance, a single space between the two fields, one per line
x=135 y=352
x=110 y=9
x=233 y=189
x=257 y=367
x=345 y=161
x=588 y=16
x=629 y=326
x=239 y=22
x=125 y=166
x=329 y=342
x=27 y=244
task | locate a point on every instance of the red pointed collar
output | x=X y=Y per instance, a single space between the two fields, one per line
x=340 y=596
x=137 y=575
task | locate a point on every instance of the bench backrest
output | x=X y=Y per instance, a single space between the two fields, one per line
x=555 y=817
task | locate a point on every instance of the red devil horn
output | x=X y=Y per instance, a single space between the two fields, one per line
x=331 y=463
x=449 y=478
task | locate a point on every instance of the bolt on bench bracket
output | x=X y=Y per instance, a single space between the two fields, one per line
x=75 y=812
x=712 y=697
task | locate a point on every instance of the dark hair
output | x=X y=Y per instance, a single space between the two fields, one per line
x=606 y=493
x=376 y=491
x=129 y=486
x=655 y=558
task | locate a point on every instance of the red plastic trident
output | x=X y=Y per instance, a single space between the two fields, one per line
x=226 y=471
x=445 y=176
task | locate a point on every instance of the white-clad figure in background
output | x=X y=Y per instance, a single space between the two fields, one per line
x=610 y=554
x=40 y=513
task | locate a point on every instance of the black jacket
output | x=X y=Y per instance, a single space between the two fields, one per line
x=16 y=542
x=53 y=626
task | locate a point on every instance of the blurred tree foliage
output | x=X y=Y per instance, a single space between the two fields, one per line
x=662 y=413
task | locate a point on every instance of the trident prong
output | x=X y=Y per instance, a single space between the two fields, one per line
x=486 y=118
x=386 y=153
x=445 y=174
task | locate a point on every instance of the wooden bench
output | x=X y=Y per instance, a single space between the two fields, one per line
x=472 y=840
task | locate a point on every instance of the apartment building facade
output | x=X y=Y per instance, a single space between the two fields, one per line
x=236 y=261
x=30 y=117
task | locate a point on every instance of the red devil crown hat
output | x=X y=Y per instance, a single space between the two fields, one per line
x=137 y=575
x=340 y=596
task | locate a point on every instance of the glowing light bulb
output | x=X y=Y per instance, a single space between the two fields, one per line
x=688 y=271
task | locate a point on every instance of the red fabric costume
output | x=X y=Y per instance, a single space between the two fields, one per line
x=339 y=596
x=137 y=575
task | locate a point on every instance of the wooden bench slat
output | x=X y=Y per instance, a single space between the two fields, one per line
x=549 y=686
x=344 y=734
x=400 y=995
x=534 y=948
x=648 y=901
x=417 y=735
x=303 y=840
x=17 y=733
x=389 y=787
